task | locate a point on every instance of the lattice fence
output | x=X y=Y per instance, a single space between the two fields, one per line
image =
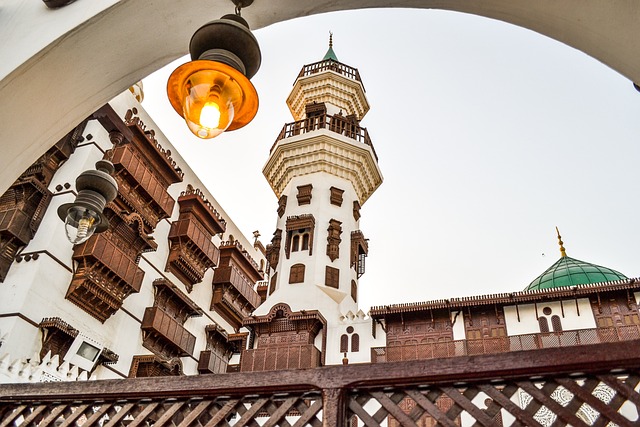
x=270 y=410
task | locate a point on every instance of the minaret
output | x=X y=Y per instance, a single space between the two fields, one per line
x=323 y=168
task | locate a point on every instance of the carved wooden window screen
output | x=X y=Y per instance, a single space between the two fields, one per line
x=296 y=274
x=333 y=239
x=300 y=225
x=344 y=343
x=332 y=277
x=355 y=343
x=282 y=205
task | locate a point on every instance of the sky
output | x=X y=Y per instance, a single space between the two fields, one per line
x=488 y=137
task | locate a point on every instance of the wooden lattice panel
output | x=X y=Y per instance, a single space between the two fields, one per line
x=268 y=410
x=593 y=400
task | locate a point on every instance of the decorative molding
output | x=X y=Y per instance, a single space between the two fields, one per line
x=333 y=239
x=153 y=366
x=234 y=296
x=282 y=205
x=304 y=194
x=356 y=210
x=191 y=250
x=328 y=85
x=284 y=340
x=273 y=249
x=323 y=151
x=305 y=222
x=336 y=196
x=23 y=205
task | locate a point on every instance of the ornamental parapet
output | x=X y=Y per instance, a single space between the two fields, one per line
x=330 y=65
x=336 y=123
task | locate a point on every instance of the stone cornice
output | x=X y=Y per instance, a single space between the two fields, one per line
x=323 y=151
x=331 y=87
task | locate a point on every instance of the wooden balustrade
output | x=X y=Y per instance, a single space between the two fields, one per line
x=491 y=345
x=598 y=382
x=334 y=123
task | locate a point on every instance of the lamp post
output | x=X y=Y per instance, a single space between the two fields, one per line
x=213 y=92
x=85 y=216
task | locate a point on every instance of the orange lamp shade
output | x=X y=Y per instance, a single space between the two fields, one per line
x=212 y=97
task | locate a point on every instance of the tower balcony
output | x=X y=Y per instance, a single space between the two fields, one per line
x=335 y=123
x=324 y=143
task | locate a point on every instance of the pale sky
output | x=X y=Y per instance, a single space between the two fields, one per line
x=488 y=136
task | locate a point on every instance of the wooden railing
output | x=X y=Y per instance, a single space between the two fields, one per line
x=331 y=65
x=335 y=123
x=578 y=386
x=491 y=345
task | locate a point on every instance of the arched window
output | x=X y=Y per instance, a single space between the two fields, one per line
x=295 y=243
x=556 y=324
x=344 y=343
x=305 y=241
x=544 y=324
x=355 y=343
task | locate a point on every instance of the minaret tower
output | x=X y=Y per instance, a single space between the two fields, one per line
x=323 y=168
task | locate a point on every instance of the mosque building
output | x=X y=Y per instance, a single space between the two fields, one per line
x=173 y=287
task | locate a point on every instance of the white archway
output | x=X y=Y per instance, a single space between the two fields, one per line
x=60 y=65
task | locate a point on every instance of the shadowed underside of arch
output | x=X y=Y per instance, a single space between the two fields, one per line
x=60 y=65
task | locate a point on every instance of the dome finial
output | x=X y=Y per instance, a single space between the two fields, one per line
x=330 y=39
x=563 y=253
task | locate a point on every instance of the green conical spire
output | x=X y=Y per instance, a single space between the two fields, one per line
x=330 y=53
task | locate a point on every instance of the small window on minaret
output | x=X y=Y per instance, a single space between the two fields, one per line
x=295 y=243
x=299 y=227
x=305 y=241
x=556 y=323
x=332 y=277
x=344 y=343
x=355 y=343
x=296 y=275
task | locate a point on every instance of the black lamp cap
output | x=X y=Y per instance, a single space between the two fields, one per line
x=230 y=33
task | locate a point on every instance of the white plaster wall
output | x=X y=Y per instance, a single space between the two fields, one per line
x=37 y=288
x=362 y=326
x=577 y=315
x=312 y=294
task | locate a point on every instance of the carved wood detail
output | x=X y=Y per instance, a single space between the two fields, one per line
x=105 y=276
x=304 y=194
x=57 y=337
x=234 y=296
x=162 y=326
x=153 y=366
x=191 y=251
x=359 y=251
x=284 y=340
x=273 y=249
x=356 y=210
x=333 y=239
x=220 y=347
x=23 y=205
x=300 y=223
x=336 y=196
x=282 y=205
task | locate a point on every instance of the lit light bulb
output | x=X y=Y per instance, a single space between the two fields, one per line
x=210 y=115
x=212 y=97
x=80 y=224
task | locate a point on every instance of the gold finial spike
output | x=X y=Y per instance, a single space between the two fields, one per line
x=330 y=39
x=563 y=253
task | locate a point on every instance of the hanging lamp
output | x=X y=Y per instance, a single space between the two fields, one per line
x=213 y=92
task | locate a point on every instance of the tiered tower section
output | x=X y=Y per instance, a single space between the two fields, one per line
x=323 y=168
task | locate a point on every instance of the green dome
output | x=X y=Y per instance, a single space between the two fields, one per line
x=569 y=271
